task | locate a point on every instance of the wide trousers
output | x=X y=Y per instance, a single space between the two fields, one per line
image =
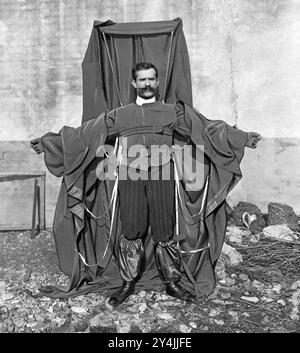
x=144 y=203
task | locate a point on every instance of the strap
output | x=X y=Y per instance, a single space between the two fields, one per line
x=147 y=130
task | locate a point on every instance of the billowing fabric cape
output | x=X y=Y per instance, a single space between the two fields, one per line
x=84 y=234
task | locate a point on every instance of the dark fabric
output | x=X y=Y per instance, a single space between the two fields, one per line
x=223 y=148
x=127 y=44
x=144 y=203
x=86 y=238
x=168 y=261
x=131 y=259
x=153 y=117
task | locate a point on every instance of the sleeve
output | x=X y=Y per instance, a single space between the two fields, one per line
x=53 y=153
x=183 y=124
x=66 y=151
x=237 y=140
x=110 y=122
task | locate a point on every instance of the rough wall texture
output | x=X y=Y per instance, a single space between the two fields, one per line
x=244 y=60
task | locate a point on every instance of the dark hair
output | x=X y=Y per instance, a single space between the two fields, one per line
x=143 y=66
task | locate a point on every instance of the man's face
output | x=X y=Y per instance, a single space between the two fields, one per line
x=146 y=83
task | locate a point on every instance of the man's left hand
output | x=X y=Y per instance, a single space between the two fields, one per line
x=252 y=139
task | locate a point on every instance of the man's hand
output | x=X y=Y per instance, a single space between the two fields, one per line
x=36 y=144
x=252 y=139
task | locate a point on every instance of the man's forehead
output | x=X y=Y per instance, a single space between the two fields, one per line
x=146 y=73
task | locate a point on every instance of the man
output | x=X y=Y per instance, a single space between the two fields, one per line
x=146 y=196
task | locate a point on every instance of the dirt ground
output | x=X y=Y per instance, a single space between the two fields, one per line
x=247 y=299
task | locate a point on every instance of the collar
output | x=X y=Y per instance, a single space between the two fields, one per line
x=141 y=101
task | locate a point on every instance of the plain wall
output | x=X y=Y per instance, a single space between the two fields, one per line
x=244 y=59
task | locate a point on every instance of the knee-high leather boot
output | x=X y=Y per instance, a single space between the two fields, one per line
x=169 y=266
x=131 y=259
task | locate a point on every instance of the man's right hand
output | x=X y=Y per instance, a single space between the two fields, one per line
x=36 y=144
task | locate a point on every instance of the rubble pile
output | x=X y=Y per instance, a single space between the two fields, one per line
x=258 y=286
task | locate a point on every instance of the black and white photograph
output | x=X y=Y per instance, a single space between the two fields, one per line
x=149 y=169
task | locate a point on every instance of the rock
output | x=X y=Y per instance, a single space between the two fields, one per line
x=277 y=288
x=170 y=303
x=258 y=285
x=45 y=299
x=131 y=309
x=292 y=325
x=220 y=269
x=250 y=299
x=185 y=328
x=232 y=256
x=242 y=207
x=254 y=238
x=142 y=294
x=2 y=327
x=155 y=306
x=7 y=296
x=2 y=288
x=235 y=234
x=165 y=316
x=142 y=308
x=146 y=328
x=243 y=277
x=193 y=324
x=50 y=309
x=280 y=232
x=79 y=310
x=8 y=325
x=31 y=324
x=124 y=328
x=234 y=315
x=19 y=322
x=214 y=312
x=222 y=302
x=246 y=314
x=219 y=322
x=295 y=300
x=275 y=275
x=163 y=297
x=281 y=302
x=225 y=295
x=294 y=316
x=213 y=295
x=279 y=213
x=295 y=285
x=230 y=282
x=102 y=319
x=265 y=320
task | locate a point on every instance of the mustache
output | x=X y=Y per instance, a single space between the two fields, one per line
x=150 y=89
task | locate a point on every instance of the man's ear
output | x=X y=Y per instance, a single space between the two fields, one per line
x=133 y=83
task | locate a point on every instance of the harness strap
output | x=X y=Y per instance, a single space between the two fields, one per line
x=147 y=130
